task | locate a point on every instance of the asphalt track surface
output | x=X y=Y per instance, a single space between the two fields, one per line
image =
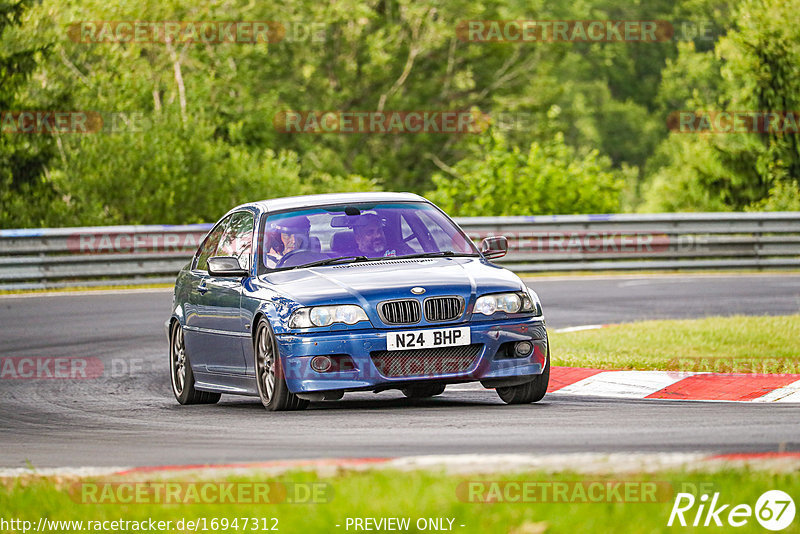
x=128 y=416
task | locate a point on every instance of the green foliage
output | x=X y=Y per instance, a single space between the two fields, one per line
x=194 y=180
x=22 y=159
x=763 y=64
x=497 y=179
x=755 y=67
x=587 y=130
x=784 y=196
x=706 y=172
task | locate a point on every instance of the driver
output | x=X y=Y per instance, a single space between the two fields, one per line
x=371 y=238
x=286 y=236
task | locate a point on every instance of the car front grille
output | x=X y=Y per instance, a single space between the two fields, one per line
x=439 y=309
x=426 y=362
x=400 y=311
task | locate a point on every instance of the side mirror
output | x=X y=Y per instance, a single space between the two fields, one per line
x=494 y=247
x=226 y=267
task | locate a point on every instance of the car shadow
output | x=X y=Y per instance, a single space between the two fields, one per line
x=374 y=404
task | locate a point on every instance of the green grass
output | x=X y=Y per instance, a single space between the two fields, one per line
x=422 y=494
x=717 y=344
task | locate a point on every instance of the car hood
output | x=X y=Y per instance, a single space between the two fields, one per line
x=370 y=282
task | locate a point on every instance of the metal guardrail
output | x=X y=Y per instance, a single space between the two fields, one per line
x=113 y=255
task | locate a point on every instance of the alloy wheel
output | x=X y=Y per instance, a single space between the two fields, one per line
x=265 y=360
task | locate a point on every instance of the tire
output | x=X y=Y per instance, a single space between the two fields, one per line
x=421 y=392
x=528 y=392
x=272 y=388
x=181 y=375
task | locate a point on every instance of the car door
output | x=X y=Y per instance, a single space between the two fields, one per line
x=214 y=322
x=195 y=337
x=227 y=314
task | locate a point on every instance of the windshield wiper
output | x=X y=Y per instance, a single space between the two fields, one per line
x=440 y=254
x=331 y=261
x=356 y=259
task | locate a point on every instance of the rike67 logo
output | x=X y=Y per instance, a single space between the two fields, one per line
x=774 y=510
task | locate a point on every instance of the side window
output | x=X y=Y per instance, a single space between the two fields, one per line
x=238 y=238
x=445 y=239
x=209 y=247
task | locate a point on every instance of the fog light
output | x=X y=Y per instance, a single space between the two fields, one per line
x=321 y=364
x=523 y=348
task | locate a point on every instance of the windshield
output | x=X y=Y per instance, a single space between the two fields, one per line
x=358 y=232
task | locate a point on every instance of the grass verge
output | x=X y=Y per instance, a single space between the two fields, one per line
x=424 y=495
x=739 y=344
x=75 y=289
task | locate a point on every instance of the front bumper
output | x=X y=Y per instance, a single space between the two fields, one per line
x=491 y=363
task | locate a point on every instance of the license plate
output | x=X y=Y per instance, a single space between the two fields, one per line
x=428 y=339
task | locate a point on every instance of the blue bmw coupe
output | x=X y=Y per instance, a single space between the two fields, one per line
x=301 y=299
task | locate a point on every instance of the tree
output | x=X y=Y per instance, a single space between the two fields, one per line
x=754 y=68
x=549 y=178
x=23 y=157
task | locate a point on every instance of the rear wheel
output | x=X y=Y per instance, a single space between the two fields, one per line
x=181 y=372
x=272 y=388
x=420 y=392
x=528 y=392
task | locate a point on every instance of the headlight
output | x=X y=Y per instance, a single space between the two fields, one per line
x=327 y=315
x=535 y=302
x=517 y=302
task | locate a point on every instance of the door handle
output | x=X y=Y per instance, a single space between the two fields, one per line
x=202 y=288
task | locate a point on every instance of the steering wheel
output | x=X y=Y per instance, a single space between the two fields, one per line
x=300 y=257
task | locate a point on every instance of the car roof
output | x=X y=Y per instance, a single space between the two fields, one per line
x=311 y=201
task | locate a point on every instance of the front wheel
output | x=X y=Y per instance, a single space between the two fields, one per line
x=528 y=392
x=181 y=374
x=272 y=388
